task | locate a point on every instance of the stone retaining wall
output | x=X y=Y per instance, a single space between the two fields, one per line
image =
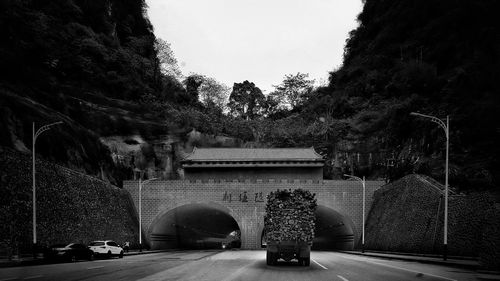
x=407 y=216
x=71 y=207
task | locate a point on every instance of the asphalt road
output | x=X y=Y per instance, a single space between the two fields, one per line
x=236 y=265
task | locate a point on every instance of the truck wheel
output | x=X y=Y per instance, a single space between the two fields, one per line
x=307 y=261
x=268 y=258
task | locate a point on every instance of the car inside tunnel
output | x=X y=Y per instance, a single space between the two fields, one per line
x=195 y=226
x=333 y=231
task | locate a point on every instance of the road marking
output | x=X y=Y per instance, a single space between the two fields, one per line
x=413 y=271
x=343 y=278
x=33 y=277
x=8 y=279
x=319 y=264
x=95 y=267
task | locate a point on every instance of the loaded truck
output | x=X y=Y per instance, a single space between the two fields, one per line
x=289 y=225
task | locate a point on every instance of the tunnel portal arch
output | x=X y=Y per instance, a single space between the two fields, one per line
x=333 y=231
x=195 y=226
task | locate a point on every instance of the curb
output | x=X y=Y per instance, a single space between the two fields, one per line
x=40 y=261
x=462 y=263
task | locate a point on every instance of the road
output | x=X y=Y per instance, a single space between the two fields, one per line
x=236 y=265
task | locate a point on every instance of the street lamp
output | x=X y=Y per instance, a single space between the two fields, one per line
x=141 y=183
x=34 y=137
x=446 y=128
x=363 y=182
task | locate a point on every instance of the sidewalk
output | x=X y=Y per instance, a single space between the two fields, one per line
x=25 y=260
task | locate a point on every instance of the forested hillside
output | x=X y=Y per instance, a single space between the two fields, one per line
x=434 y=57
x=86 y=63
x=97 y=66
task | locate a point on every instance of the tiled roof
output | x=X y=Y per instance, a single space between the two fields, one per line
x=253 y=154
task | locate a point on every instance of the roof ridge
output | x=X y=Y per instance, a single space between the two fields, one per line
x=255 y=154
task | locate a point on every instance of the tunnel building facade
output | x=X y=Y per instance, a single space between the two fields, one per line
x=224 y=195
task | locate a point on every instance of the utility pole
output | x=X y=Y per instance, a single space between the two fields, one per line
x=446 y=128
x=34 y=137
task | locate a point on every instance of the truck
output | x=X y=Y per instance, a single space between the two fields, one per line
x=289 y=225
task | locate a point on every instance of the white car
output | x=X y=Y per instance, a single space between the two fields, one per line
x=106 y=248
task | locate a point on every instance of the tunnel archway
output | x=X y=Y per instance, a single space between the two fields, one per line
x=195 y=226
x=333 y=231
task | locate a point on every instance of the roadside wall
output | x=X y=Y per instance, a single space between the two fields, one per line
x=407 y=216
x=71 y=207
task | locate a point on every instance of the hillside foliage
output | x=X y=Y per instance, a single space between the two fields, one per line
x=97 y=66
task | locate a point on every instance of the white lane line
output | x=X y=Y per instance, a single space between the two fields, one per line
x=413 y=271
x=8 y=279
x=319 y=264
x=343 y=278
x=32 y=277
x=95 y=267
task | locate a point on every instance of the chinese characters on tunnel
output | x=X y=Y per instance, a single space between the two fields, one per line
x=242 y=197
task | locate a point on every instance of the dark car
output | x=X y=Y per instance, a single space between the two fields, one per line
x=69 y=252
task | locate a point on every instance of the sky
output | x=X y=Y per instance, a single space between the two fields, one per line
x=256 y=40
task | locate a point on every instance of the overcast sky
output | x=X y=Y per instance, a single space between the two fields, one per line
x=256 y=40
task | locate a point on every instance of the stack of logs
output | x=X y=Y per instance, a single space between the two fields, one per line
x=290 y=215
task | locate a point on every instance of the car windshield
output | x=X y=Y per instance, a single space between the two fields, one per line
x=96 y=243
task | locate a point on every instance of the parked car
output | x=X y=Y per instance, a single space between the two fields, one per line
x=107 y=248
x=69 y=252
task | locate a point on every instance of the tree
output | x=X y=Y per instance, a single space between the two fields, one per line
x=168 y=63
x=213 y=94
x=293 y=91
x=246 y=100
x=193 y=83
x=275 y=105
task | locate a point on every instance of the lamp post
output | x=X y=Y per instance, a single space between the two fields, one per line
x=34 y=137
x=446 y=128
x=141 y=183
x=363 y=182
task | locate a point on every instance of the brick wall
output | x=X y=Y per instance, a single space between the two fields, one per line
x=71 y=207
x=407 y=216
x=160 y=197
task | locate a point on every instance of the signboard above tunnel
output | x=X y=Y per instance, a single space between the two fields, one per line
x=253 y=164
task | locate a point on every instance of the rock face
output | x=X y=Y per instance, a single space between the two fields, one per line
x=159 y=156
x=407 y=216
x=71 y=206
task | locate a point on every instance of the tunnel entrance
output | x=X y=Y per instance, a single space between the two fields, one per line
x=195 y=226
x=333 y=231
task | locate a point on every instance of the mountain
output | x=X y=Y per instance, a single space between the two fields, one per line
x=433 y=57
x=88 y=64
x=94 y=65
